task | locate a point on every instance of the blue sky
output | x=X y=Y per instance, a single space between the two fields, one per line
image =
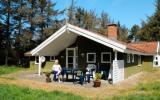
x=128 y=12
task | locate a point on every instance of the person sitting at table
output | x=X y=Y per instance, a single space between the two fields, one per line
x=56 y=70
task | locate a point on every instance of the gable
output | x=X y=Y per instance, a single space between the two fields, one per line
x=67 y=36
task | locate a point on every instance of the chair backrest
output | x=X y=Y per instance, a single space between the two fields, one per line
x=91 y=66
x=79 y=73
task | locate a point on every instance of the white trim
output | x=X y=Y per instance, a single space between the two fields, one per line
x=49 y=40
x=36 y=59
x=94 y=61
x=102 y=53
x=39 y=66
x=133 y=58
x=98 y=38
x=90 y=35
x=157 y=47
x=128 y=58
x=74 y=57
x=137 y=52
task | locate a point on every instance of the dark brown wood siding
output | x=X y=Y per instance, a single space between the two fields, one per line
x=87 y=46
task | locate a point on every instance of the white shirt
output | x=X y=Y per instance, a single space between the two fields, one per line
x=56 y=68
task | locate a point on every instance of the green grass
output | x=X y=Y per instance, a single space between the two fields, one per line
x=8 y=69
x=12 y=92
x=147 y=91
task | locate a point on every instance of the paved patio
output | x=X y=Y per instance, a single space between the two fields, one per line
x=33 y=75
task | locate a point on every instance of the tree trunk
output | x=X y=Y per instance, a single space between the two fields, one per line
x=6 y=57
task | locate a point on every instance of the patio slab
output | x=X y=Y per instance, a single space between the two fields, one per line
x=33 y=75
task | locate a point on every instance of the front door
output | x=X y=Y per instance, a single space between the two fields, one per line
x=71 y=57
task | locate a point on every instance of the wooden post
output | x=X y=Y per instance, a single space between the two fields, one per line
x=115 y=55
x=39 y=66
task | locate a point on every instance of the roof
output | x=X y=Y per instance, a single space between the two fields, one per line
x=145 y=47
x=68 y=34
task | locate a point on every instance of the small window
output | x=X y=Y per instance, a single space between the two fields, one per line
x=105 y=57
x=128 y=58
x=36 y=60
x=132 y=58
x=91 y=57
x=52 y=58
x=156 y=63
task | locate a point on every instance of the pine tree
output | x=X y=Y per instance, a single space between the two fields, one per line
x=134 y=33
x=6 y=16
x=151 y=30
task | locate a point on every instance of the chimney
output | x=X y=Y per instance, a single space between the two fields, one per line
x=112 y=31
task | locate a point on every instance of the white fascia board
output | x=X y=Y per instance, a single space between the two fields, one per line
x=136 y=52
x=98 y=38
x=49 y=40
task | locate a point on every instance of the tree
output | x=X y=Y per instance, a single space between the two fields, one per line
x=103 y=21
x=72 y=12
x=122 y=33
x=151 y=30
x=6 y=16
x=134 y=33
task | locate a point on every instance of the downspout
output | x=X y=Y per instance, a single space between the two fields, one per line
x=158 y=48
x=158 y=54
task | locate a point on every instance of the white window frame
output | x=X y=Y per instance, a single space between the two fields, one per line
x=52 y=58
x=102 y=61
x=133 y=58
x=36 y=57
x=128 y=58
x=94 y=61
x=75 y=63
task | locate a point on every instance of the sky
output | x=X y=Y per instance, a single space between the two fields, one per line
x=127 y=12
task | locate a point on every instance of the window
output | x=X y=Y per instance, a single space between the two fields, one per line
x=91 y=57
x=105 y=57
x=36 y=59
x=132 y=58
x=156 y=61
x=52 y=58
x=128 y=58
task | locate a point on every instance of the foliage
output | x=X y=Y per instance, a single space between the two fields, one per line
x=12 y=92
x=135 y=31
x=98 y=76
x=8 y=69
x=150 y=29
x=122 y=33
x=25 y=23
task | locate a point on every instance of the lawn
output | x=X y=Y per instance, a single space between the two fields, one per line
x=12 y=92
x=145 y=91
x=8 y=69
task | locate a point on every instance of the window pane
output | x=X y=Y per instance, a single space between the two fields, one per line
x=91 y=57
x=70 y=53
x=70 y=60
x=70 y=65
x=37 y=59
x=106 y=57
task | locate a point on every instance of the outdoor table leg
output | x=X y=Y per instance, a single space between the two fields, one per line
x=67 y=76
